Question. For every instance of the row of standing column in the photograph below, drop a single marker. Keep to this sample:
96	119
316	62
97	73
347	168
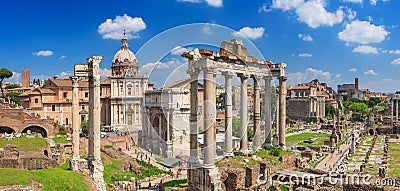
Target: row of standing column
395	103
210	114
317	107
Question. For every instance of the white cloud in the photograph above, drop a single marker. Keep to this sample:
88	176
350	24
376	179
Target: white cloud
396	61
351	14
311	12
171	64
353	70
251	33
314	14
365	49
363	32
353	1
305	55
338	75
114	28
370	72
308	75
393	51
15	78
214	3
373	2
369	18
63	57
105	73
65	74
264	8
286	4
190	1
43	53
178	50
305	37
206	29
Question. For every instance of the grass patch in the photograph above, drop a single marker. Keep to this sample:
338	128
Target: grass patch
52	178
25	144
113	171
394	161
268	154
176	183
317	138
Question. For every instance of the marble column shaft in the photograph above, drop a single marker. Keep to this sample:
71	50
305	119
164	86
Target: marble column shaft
243	115
75	117
282	111
194	159
257	113
96	113
397	110
228	115
209	119
90	120
267	107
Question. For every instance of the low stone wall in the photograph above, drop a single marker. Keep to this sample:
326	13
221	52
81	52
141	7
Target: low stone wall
31	160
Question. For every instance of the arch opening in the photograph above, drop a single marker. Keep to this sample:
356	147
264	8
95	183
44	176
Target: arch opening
5	129
36	129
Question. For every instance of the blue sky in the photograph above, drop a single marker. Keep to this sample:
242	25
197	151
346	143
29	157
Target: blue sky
333	41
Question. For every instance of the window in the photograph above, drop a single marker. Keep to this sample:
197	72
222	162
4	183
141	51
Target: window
66	121
86	94
129	91
53	107
83	107
65	95
36	100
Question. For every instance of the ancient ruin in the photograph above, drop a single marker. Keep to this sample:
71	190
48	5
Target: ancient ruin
93	162
232	59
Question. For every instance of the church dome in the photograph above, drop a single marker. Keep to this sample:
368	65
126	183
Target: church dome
124	52
124	62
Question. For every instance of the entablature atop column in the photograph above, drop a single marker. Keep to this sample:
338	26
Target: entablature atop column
231	64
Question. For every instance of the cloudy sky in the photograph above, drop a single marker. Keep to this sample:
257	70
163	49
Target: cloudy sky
333	41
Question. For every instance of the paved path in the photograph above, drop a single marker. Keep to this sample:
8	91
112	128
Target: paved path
330	161
155	163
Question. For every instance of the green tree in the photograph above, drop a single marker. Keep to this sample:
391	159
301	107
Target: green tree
12	86
359	108
250	133
85	127
330	111
4	73
14	96
220	99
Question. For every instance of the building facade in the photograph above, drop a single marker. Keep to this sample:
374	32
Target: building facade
127	91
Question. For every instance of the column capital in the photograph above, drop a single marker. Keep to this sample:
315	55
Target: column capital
267	78
192	72
282	78
243	75
210	70
228	74
75	81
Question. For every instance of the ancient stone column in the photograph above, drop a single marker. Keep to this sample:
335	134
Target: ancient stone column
228	115
267	107
209	118
282	111
159	135
94	92
90	118
243	115
169	130
392	111
194	158
397	110
256	118
317	107
75	122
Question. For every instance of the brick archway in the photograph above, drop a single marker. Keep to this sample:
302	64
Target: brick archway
6	129
36	129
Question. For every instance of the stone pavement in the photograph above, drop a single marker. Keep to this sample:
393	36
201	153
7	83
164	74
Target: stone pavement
330	161
166	178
